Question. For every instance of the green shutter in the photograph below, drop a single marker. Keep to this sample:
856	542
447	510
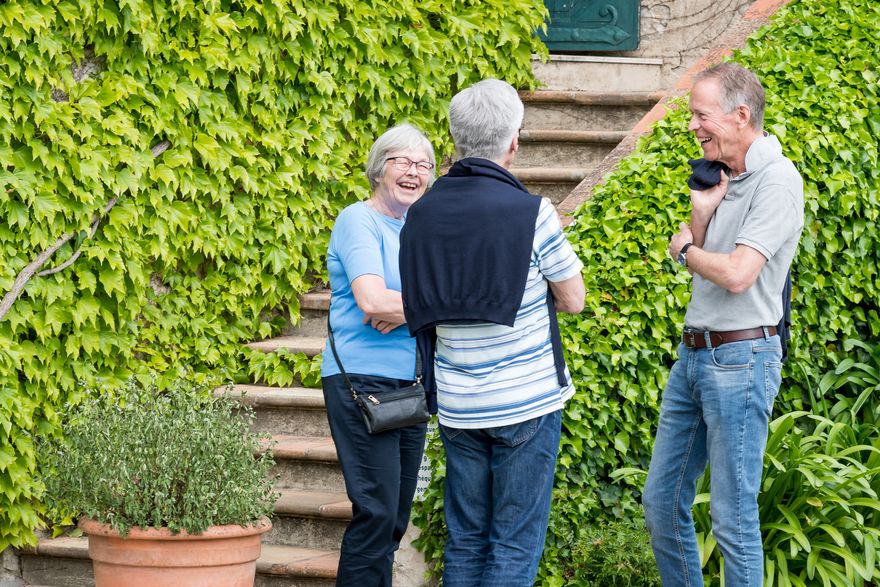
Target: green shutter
592	25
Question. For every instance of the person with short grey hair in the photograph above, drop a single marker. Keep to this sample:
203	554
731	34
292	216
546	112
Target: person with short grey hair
746	220
366	312
737	85
484	269
484	119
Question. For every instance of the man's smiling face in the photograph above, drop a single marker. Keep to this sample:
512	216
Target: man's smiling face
718	131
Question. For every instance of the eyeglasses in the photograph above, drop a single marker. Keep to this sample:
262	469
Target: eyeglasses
405	163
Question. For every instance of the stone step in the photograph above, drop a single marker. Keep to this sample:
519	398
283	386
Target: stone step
312	324
314	306
600	73
309	519
565	148
297	411
315	300
60	562
306	463
289	566
64	562
585	111
310	345
551	182
604	137
598	98
548	174
330	505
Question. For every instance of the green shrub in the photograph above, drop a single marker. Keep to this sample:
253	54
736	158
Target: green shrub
820	501
269	107
819	504
820	494
609	554
178	457
856	386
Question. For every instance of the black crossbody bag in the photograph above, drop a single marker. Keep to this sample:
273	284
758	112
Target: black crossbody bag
391	410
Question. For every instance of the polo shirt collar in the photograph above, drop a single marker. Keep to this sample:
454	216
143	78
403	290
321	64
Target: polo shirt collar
764	150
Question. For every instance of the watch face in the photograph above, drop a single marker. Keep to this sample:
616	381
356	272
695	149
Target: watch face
682	255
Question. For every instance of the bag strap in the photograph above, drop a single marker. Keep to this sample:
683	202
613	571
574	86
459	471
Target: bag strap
354	394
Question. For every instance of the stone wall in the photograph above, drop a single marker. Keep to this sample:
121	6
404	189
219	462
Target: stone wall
680	31
10	570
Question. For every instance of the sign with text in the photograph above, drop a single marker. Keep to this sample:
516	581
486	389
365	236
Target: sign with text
426	467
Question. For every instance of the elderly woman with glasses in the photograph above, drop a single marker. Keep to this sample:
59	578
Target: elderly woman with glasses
366	313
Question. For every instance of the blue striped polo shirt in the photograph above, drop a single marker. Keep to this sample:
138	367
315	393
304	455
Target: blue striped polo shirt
493	375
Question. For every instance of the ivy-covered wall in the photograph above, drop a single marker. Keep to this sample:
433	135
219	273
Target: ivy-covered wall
818	61
223	136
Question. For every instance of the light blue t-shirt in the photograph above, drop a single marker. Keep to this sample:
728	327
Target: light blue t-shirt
365	242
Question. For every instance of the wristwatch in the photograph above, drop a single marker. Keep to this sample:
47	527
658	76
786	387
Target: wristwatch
682	255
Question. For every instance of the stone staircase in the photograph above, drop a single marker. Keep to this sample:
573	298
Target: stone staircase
587	105
567	131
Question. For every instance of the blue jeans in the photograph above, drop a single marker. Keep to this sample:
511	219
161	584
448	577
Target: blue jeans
380	472
499	483
715	409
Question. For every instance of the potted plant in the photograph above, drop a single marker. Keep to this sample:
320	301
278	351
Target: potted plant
171	482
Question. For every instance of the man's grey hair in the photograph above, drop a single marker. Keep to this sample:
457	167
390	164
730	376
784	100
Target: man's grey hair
738	86
484	119
398	138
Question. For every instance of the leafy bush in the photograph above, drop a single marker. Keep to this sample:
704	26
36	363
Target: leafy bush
820	501
282	366
269	107
609	554
856	386
179	458
819	504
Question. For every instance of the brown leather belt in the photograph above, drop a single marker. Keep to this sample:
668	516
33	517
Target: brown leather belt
696	339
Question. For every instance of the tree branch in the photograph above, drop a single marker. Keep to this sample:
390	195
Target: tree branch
95	222
160	148
33	267
28	272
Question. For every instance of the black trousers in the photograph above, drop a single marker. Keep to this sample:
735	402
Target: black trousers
380	471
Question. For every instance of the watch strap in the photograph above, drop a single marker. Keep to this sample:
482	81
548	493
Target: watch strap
682	258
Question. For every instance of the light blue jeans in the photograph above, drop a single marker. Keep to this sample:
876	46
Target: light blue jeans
715	409
499	483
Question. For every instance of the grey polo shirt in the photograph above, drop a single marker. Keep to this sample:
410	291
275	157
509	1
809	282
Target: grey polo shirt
763	209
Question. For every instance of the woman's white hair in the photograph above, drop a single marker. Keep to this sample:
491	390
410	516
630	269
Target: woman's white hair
398	138
484	119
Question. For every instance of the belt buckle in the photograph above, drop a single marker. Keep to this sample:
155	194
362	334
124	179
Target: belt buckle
689	338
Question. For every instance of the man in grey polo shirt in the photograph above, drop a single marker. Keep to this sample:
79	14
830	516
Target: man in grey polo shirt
715	409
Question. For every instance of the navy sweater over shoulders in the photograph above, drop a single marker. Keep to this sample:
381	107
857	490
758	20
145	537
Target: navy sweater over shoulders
466	247
465	252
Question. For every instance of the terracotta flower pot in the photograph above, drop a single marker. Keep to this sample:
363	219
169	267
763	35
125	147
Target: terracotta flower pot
222	556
